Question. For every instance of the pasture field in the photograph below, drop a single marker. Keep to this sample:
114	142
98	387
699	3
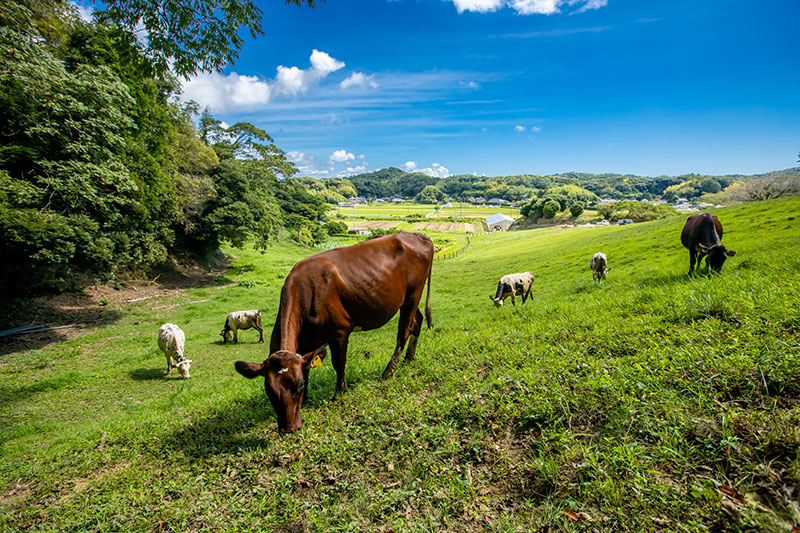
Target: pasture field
650	402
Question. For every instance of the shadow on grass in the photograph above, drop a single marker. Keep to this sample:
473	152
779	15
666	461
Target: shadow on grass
244	425
63	310
147	374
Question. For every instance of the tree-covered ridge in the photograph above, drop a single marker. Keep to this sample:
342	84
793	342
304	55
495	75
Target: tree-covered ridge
103	171
394	181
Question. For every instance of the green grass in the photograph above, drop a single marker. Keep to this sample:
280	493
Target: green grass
633	401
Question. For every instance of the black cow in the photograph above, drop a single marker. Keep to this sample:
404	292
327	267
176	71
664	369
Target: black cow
701	236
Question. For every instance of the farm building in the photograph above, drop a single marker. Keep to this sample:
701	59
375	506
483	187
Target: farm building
499	222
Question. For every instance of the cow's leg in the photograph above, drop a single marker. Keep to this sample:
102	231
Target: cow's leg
512	299
236	336
339	360
260	333
413	337
169	365
406	315
692	259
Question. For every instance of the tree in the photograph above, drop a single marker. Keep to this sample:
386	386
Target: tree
576	209
430	195
335	226
550	209
193	35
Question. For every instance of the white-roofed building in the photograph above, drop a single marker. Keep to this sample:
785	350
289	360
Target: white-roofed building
499	222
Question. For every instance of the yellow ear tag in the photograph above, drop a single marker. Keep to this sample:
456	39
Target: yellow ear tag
316	362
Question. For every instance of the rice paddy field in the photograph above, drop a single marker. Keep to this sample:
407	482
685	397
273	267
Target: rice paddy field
653	401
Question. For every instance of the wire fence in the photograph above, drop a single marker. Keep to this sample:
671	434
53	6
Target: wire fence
452	255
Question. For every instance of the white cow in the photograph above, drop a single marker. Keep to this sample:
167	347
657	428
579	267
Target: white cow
512	285
599	266
171	340
242	320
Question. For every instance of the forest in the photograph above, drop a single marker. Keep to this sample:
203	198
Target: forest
103	170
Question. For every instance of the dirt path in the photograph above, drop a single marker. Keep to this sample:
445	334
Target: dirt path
96	305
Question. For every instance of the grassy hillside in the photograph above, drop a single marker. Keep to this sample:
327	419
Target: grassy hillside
636	404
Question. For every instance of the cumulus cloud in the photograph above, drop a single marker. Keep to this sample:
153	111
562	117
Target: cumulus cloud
224	93
481	6
436	170
536	128
340	156
292	81
359	80
410	166
528	7
357	169
519	128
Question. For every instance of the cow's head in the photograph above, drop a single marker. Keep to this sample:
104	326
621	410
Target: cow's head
284	383
183	367
225	333
498	302
717	255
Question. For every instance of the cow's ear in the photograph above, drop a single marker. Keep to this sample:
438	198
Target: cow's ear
249	370
730	253
312	359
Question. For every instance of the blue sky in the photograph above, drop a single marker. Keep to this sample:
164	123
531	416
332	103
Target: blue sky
500	87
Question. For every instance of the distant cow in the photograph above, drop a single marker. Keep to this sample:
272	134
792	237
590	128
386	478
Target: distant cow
701	236
331	294
512	285
242	320
171	340
599	266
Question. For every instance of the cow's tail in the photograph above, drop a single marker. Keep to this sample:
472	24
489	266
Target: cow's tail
428	315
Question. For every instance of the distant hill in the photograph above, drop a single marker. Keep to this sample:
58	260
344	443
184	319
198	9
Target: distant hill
393	181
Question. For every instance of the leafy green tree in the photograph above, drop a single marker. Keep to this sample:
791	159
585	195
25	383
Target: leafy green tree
576	209
193	35
550	209
430	195
334	226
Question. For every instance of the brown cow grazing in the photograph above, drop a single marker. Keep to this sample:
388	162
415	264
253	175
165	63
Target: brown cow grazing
331	294
701	236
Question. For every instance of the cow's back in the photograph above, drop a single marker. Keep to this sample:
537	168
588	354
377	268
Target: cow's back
170	337
702	228
362	285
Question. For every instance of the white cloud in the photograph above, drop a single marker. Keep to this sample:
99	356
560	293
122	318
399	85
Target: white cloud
481	6
469	84
536	128
224	93
292	81
410	166
436	170
527	7
340	156
323	63
536	7
362	156
519	128
359	79
357	169
589	4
